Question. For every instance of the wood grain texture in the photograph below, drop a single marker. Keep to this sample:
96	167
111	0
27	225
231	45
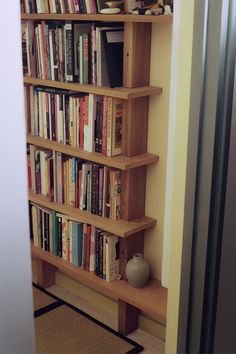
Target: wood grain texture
45	273
129	246
133	183
119	92
121	162
127	318
121	228
99	17
135	126
152	299
137	53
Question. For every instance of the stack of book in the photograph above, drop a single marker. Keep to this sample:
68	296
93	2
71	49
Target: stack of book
62	6
87	53
81	244
72	181
91	122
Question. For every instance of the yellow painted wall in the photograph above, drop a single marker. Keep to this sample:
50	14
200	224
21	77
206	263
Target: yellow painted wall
157	143
184	60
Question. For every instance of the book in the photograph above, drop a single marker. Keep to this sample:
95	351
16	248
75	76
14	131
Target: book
112	257
113	41
116	129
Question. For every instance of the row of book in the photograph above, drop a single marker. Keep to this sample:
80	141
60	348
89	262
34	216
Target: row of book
81	244
62	6
88	121
67	51
74	182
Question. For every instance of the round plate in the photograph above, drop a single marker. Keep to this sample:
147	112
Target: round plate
110	11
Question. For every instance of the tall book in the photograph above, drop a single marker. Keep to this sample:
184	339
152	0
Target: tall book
112	257
113	41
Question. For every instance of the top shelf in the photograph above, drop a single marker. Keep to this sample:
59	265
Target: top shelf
99	17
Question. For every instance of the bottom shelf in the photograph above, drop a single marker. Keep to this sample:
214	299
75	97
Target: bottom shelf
152	299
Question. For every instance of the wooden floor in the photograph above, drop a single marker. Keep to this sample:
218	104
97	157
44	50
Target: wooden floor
152	344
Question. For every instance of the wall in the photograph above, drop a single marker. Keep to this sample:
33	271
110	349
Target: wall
157	144
16	315
183	55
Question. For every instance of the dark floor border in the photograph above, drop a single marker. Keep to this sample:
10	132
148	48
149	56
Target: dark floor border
138	348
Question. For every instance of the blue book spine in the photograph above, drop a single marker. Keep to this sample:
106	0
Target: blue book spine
75	244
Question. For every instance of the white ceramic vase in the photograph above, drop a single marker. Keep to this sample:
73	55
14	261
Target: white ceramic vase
137	271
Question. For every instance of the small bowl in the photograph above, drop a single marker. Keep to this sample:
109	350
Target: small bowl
115	3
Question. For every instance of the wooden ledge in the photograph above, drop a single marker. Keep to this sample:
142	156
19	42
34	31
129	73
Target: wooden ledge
117	92
99	17
152	299
121	162
118	227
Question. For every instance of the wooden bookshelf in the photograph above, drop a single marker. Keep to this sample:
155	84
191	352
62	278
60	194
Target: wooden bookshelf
133	163
99	17
121	228
121	162
152	299
118	92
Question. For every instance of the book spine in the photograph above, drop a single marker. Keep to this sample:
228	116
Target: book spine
92	260
100	190
109	126
69	51
117	121
88	236
104	125
75	244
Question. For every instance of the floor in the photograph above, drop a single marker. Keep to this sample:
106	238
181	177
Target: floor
152	345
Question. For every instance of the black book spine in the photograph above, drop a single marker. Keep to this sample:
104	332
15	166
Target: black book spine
67	122
53	117
96	127
100	126
46	232
94	187
69	52
41	227
101	255
59	230
97	252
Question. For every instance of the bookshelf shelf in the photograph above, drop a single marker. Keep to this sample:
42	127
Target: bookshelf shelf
119	92
121	162
121	228
99	17
152	299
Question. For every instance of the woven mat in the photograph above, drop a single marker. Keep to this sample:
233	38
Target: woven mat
41	299
67	330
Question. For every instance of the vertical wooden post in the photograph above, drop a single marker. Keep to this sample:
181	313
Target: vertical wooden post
45	273
137	53
137	46
127	311
133	184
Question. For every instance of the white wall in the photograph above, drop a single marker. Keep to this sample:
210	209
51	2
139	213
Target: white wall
16	317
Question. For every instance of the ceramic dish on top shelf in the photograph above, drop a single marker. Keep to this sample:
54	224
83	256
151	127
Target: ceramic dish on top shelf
115	3
110	11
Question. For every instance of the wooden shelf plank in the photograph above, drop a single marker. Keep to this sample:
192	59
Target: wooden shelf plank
152	299
119	227
118	92
121	162
99	17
